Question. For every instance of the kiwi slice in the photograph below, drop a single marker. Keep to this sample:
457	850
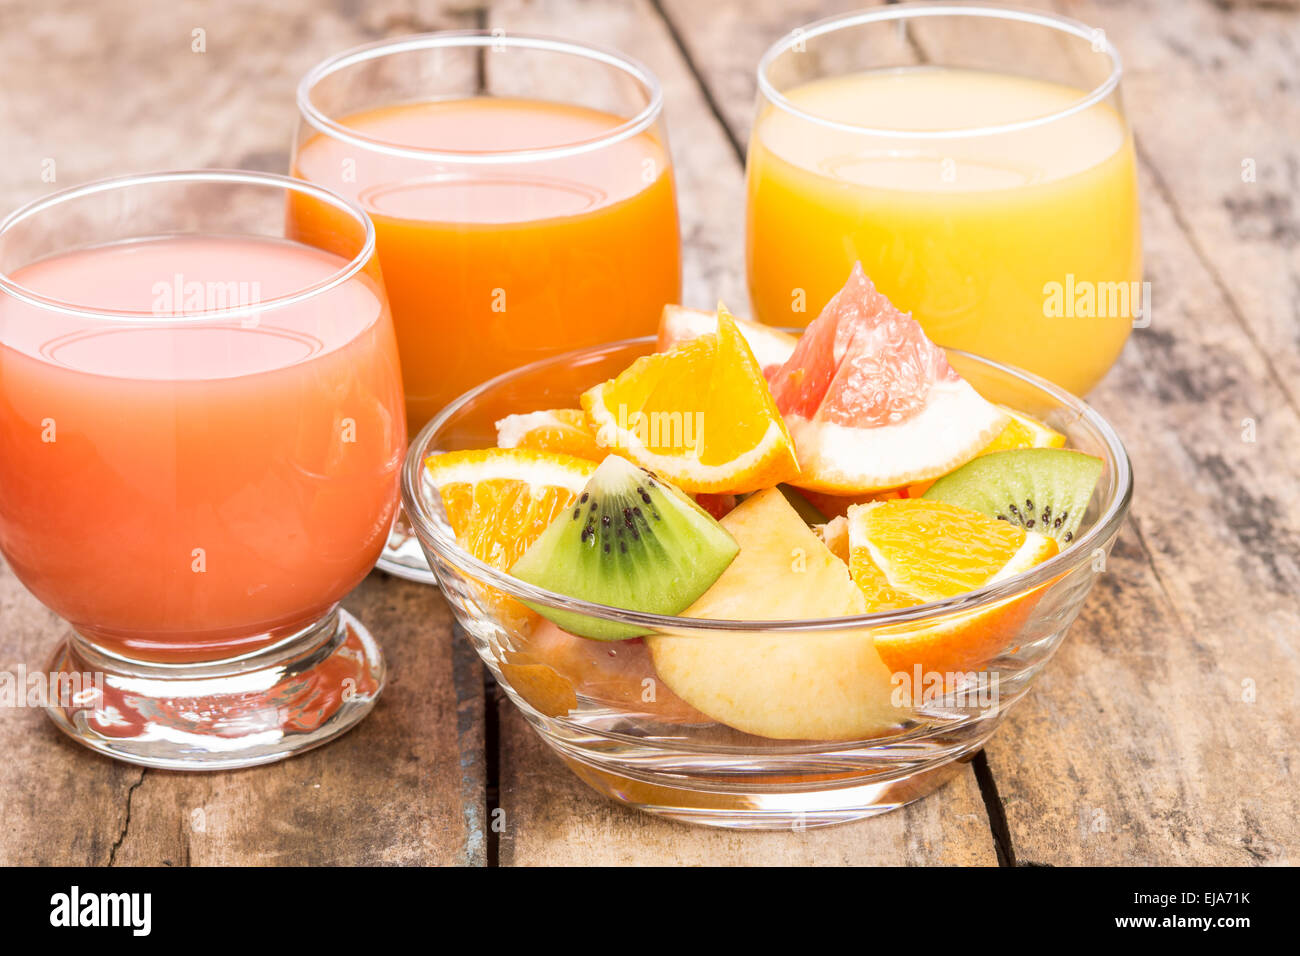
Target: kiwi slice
1040	489
630	541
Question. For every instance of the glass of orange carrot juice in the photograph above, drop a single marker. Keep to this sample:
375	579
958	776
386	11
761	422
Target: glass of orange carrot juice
976	161
201	427
522	194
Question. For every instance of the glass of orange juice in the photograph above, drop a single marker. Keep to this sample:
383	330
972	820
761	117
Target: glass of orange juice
976	160
522	194
201	426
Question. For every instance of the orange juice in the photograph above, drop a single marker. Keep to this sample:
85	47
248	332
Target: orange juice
988	238
189	490
492	262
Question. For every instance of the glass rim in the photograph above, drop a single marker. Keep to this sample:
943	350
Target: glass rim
1067	559
907	11
198	176
327	126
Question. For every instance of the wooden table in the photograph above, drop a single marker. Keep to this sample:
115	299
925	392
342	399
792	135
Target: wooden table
1164	732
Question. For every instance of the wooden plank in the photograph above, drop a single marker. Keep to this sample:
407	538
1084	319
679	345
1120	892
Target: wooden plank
1163	732
406	786
403	787
1215	96
1138	745
549	816
113	94
726	40
1192	638
1180	747
553	819
59	803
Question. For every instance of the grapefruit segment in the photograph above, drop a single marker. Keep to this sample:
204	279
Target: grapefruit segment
871	403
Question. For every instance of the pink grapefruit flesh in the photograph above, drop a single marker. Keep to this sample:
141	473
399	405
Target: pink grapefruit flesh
871	403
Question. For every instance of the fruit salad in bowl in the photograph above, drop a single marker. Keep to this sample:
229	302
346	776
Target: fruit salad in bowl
748	579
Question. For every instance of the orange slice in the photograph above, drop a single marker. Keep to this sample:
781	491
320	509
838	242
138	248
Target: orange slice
498	500
907	552
563	430
699	416
872	403
1024	432
931	550
771	347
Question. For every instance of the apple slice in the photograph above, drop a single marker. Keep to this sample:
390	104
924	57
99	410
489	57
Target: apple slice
790	685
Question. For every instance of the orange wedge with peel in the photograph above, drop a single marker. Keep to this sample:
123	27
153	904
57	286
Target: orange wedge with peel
499	500
563	430
700	416
907	552
771	347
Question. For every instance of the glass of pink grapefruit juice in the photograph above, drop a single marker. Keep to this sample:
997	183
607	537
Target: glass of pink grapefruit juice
201	427
522	192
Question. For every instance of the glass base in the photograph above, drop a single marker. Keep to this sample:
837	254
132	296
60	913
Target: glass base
799	806
403	557
300	693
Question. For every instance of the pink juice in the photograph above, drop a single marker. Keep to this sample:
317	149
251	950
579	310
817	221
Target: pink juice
186	488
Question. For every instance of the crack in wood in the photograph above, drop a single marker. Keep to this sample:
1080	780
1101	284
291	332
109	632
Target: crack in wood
491	768
737	147
475	758
126	824
993	806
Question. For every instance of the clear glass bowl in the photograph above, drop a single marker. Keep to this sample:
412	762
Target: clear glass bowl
588	699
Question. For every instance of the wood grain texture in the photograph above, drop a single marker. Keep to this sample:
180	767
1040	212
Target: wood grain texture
121	93
1215	96
405	786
